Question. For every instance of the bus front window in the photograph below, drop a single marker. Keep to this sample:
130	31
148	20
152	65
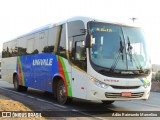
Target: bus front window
118	47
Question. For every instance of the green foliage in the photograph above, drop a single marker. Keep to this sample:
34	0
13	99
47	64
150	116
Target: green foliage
48	49
21	51
35	51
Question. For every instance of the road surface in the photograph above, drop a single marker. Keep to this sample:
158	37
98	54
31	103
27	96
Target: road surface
44	102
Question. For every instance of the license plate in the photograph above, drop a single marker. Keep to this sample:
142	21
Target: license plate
126	94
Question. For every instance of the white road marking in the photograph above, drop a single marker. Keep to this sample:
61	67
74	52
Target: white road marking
34	97
57	105
61	106
75	110
30	96
12	91
41	100
100	118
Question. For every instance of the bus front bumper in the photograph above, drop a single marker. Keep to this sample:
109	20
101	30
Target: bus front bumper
97	93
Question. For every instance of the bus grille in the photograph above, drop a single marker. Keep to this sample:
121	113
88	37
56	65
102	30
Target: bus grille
125	87
118	95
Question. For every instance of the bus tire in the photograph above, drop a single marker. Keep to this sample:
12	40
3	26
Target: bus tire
62	98
107	102
24	88
18	87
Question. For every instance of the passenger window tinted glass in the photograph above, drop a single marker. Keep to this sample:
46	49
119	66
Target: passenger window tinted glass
25	45
40	41
21	46
51	40
9	49
30	43
62	42
75	28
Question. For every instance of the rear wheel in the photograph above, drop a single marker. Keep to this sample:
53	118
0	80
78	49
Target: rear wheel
61	93
24	88
18	87
107	102
16	83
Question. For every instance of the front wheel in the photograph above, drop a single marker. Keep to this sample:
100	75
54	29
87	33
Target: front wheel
61	93
107	102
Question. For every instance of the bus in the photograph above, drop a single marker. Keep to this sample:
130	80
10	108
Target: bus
82	58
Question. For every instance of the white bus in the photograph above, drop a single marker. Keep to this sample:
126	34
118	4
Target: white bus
81	58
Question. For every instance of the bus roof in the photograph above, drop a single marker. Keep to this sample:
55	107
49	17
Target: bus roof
84	19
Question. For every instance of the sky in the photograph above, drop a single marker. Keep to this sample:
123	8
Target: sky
18	17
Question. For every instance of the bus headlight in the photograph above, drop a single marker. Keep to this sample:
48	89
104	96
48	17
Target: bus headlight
147	85
99	83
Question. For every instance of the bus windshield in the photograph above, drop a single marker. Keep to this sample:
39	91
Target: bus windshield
118	47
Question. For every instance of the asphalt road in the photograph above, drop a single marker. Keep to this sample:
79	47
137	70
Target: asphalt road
80	109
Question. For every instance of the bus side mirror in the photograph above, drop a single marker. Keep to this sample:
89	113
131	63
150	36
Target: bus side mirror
87	41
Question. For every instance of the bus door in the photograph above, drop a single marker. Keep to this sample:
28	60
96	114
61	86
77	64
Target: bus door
79	66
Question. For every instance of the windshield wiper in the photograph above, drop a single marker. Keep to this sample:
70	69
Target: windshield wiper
139	66
117	57
129	49
135	59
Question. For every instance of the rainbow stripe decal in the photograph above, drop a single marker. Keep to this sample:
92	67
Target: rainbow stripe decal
145	82
63	72
20	72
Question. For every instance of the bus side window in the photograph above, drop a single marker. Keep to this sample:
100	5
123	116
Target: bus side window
40	41
9	49
61	50
80	53
30	46
51	40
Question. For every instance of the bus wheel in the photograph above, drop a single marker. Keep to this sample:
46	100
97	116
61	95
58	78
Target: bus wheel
18	87
24	88
16	83
107	102
61	93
